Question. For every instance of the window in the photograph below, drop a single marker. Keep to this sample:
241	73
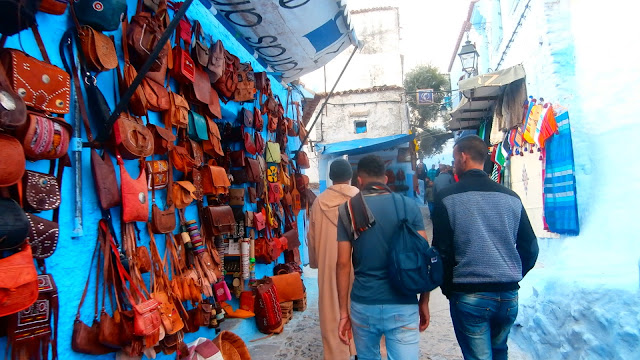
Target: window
361	126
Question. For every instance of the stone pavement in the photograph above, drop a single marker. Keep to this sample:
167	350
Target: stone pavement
301	339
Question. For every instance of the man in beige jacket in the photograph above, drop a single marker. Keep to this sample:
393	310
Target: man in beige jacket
323	254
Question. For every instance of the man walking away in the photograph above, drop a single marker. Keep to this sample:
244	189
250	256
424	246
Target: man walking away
432	173
487	246
366	228
443	179
323	254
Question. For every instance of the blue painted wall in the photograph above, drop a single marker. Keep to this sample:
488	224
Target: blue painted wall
70	263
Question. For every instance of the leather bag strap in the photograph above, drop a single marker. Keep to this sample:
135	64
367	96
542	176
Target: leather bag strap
43	50
86	285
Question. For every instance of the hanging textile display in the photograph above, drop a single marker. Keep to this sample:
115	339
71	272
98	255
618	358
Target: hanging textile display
560	202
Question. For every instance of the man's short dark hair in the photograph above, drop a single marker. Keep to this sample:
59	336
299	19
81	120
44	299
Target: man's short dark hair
371	166
474	147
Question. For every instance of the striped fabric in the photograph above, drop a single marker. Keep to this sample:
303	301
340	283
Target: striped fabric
560	203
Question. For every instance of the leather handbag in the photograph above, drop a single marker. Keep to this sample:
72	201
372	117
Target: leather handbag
18	282
215	180
253	170
41	191
236	197
249	145
215	65
54	7
226	85
198	128
222	292
43	236
13	111
239	176
143	35
138	101
182	194
289	286
258	122
199	92
273	152
45	138
220	219
163	139
157	174
200	50
266	250
41	85
259	141
132	139
135	204
246	88
213	106
246	118
104	176
156	94
178	114
181	159
260	221
14	225
162	221
302	160
105	15
184	69
237	158
253	198
98	49
213	147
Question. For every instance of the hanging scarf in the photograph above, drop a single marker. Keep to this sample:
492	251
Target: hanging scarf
357	214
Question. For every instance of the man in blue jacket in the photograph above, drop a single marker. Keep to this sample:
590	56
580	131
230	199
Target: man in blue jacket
487	246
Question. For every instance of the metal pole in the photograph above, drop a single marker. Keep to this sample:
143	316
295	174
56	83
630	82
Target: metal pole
124	99
325	102
77	158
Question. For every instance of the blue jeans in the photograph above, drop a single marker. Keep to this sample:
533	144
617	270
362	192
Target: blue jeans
398	323
482	322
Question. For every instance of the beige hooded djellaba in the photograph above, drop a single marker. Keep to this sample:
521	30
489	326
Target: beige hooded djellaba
323	255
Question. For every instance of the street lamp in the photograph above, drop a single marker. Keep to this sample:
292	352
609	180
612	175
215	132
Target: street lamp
469	58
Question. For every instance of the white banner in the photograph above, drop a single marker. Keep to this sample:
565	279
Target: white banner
294	37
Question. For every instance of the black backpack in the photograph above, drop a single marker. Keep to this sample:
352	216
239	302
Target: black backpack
414	266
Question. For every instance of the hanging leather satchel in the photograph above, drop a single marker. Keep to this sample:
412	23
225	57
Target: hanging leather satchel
226	85
178	113
258	122
259	221
199	92
237	158
43	236
13	112
246	88
158	174
302	160
105	15
143	35
156	94
14	225
18	282
132	139
182	194
273	152
104	176
239	176
41	191
253	170
220	219
236	197
45	138
198	128
252	194
215	180
249	145
213	147
162	221
184	69
98	49
181	159
275	192
216	63
200	50
259	141
135	205
138	101
163	139
40	85
246	118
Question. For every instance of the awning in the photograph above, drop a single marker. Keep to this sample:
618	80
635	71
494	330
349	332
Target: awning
363	146
292	37
480	94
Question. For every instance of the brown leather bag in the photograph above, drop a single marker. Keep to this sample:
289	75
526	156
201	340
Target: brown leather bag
236	197
104	175
45	138
138	101
260	144
216	63
258	122
184	69
13	111
237	158
40	85
181	159
253	170
178	113
303	160
289	286
226	85
98	49
220	219
157	174
143	35
18	282
41	191
246	88
213	146
132	139
13	163
156	94
43	236
249	145
162	221
215	180
163	139
200	50
182	194
199	92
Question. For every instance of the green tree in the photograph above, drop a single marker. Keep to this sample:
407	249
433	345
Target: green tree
422	117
